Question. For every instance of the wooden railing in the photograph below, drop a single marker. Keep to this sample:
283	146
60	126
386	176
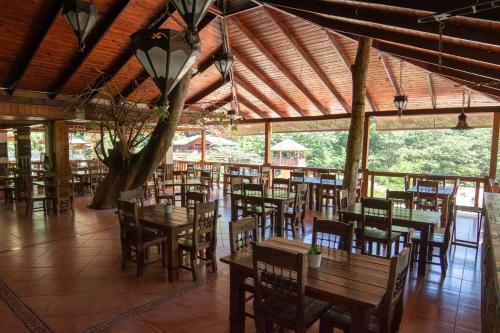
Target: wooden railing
480	183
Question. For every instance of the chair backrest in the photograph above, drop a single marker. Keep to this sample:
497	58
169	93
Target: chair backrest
234	170
280	275
398	273
135	196
253	195
400	199
376	213
193	198
236	184
128	214
327	180
242	233
281	185
342	200
64	189
205	223
299	207
427	188
179	175
297	177
190	172
343	234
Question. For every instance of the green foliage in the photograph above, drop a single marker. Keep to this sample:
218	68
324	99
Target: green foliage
314	250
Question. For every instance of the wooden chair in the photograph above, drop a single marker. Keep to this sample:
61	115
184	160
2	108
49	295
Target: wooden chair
206	182
163	193
333	234
64	194
33	198
253	204
194	198
294	216
265	177
296	178
216	174
202	239
427	195
237	186
190	172
438	240
135	239
376	226
281	185
280	299
181	177
388	316
403	202
134	196
327	190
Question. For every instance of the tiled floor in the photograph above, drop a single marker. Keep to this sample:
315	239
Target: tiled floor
62	274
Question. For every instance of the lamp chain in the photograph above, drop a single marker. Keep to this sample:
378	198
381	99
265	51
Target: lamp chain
442	25
401	64
463	99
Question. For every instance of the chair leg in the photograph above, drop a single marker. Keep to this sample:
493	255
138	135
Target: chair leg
194	265
164	254
213	259
140	262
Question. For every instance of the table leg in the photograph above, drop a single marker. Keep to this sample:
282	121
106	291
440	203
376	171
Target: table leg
317	198
280	218
183	195
234	209
311	196
236	301
444	211
424	246
173	260
360	318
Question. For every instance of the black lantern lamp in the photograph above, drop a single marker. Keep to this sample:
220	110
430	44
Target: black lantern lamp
232	115
165	55
82	17
223	61
192	11
462	117
401	99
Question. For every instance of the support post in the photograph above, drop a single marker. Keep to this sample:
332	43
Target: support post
267	153
23	149
364	163
4	151
494	145
58	147
203	145
355	138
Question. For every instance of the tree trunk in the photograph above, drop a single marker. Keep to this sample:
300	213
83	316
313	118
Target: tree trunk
133	173
355	138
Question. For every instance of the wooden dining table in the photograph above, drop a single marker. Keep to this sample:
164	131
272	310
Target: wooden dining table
184	185
356	283
280	199
444	193
172	222
422	220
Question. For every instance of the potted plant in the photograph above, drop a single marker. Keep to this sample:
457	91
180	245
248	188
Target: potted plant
314	256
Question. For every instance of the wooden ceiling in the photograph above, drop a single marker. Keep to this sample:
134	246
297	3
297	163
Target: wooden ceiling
293	56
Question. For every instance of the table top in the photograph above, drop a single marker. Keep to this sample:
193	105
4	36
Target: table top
189	182
316	181
157	216
270	195
441	191
360	279
404	215
244	174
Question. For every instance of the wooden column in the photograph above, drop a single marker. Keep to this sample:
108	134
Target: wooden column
494	145
364	164
203	145
23	149
355	138
58	139
4	151
267	147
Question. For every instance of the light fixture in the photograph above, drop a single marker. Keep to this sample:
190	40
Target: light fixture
224	60
82	17
232	115
192	11
166	56
462	117
401	99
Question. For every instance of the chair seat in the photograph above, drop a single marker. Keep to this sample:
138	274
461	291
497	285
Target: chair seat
187	242
375	233
147	236
435	238
258	210
313	310
340	319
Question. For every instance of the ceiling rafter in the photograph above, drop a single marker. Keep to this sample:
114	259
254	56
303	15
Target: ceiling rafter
347	63
31	47
97	34
265	51
252	107
263	77
432	91
400	18
404	37
307	58
207	91
243	83
390	74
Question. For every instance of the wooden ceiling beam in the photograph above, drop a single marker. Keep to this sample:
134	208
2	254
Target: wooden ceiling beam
31	45
403	19
407	113
252	107
96	35
404	37
347	63
432	91
207	91
143	76
243	83
241	60
390	74
307	58
265	51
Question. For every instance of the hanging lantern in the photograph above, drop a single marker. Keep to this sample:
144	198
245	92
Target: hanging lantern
232	115
400	103
462	118
192	11
165	55
223	61
82	17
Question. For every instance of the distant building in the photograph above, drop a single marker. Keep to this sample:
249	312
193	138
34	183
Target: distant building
193	143
289	153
